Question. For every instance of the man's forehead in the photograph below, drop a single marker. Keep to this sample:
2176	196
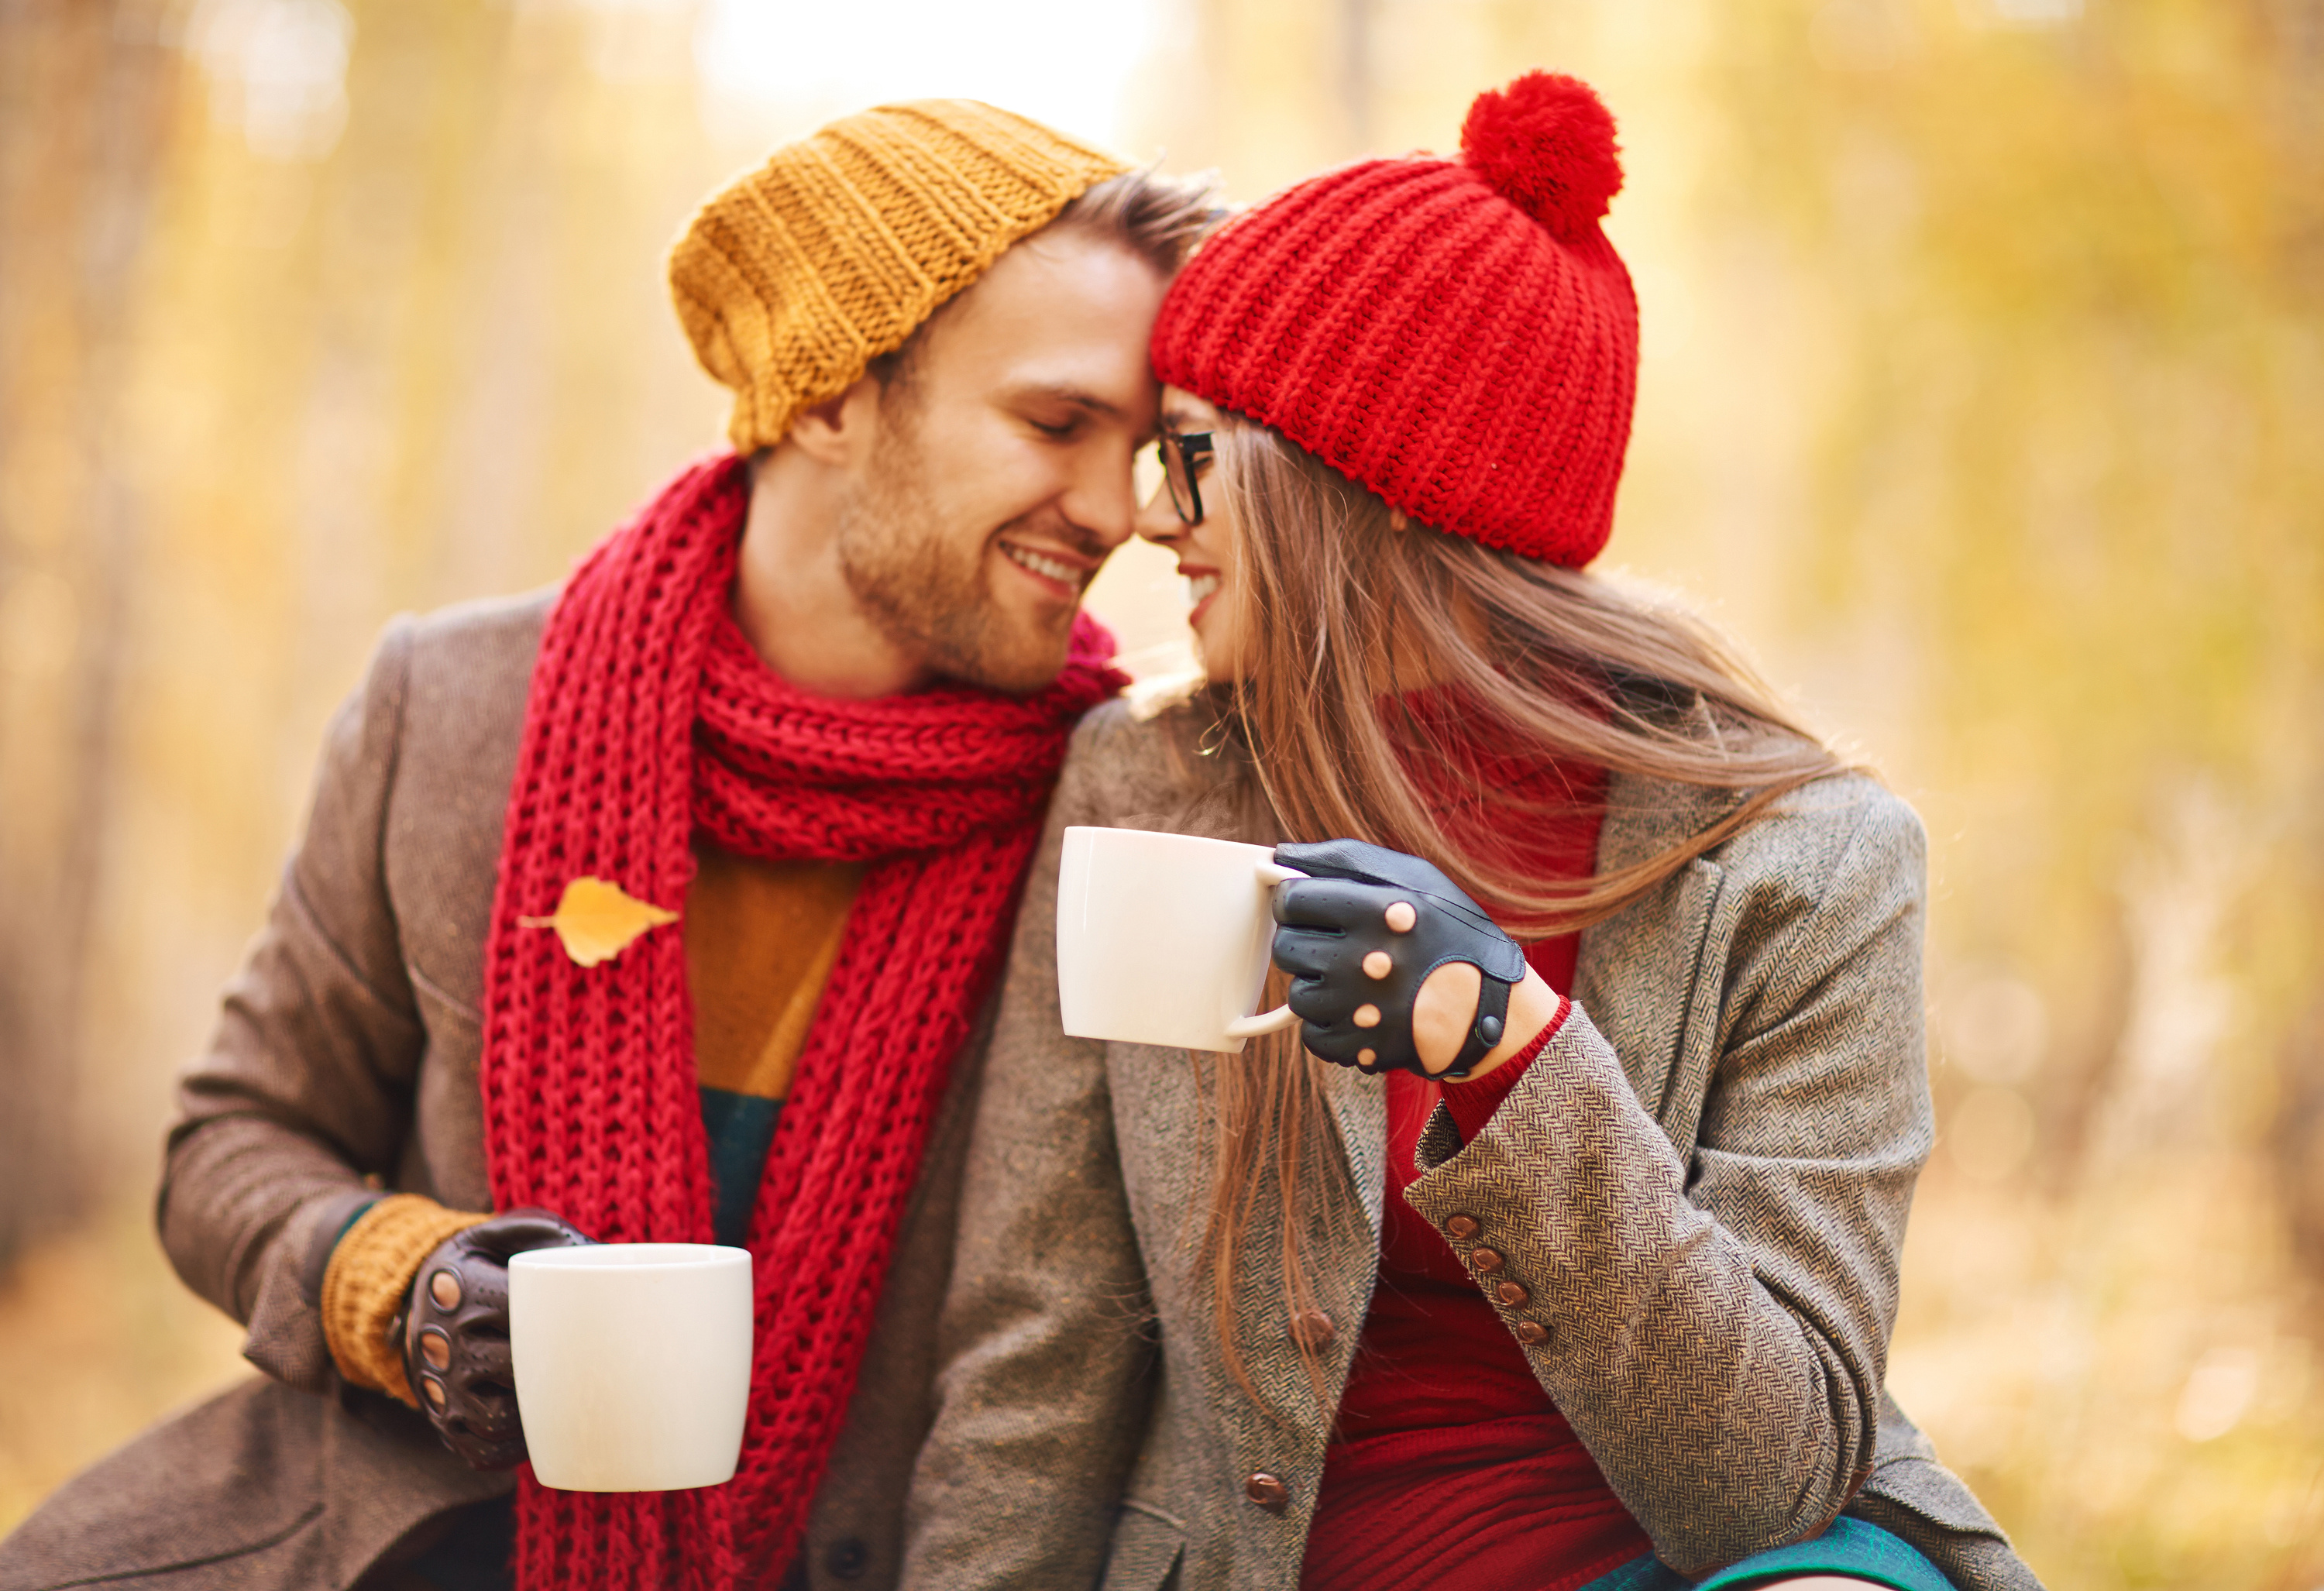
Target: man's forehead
1051	311
1068	393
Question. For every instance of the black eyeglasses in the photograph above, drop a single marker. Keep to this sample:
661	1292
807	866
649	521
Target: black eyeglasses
1183	453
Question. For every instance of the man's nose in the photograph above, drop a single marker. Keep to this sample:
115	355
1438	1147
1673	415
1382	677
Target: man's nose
1103	500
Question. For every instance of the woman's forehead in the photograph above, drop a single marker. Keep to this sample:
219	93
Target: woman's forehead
1183	412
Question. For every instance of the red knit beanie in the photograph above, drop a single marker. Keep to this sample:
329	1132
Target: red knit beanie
1458	336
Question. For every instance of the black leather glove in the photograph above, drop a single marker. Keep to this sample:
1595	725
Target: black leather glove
1333	922
456	1335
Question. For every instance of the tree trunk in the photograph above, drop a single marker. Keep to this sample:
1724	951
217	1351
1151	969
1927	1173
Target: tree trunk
85	94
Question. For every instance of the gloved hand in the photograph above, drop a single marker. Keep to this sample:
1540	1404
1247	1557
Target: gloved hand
1359	936
456	1335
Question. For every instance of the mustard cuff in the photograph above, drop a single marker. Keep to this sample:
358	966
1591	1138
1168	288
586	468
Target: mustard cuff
370	1276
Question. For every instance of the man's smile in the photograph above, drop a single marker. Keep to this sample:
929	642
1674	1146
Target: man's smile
1070	571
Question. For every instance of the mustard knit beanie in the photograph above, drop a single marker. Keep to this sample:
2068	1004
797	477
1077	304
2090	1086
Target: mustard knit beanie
795	278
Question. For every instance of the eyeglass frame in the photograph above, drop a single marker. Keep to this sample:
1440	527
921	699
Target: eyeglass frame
1193	447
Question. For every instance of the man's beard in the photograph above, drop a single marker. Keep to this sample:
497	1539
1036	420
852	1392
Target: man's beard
926	588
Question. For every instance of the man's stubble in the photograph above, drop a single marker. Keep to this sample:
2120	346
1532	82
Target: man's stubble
925	586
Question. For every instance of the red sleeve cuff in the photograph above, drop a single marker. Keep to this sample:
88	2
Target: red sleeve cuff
1473	1104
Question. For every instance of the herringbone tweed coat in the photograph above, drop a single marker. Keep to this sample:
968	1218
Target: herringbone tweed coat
1703	1181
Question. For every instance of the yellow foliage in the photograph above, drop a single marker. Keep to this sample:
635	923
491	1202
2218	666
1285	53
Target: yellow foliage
1983	362
597	921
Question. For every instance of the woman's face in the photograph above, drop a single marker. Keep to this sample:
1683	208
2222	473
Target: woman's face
1206	551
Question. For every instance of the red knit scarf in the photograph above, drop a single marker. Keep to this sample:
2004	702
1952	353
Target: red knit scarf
650	719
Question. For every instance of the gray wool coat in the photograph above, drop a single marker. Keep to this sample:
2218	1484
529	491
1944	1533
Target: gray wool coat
347	1050
1704	1182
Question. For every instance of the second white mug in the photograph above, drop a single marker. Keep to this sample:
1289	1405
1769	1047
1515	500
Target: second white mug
632	1363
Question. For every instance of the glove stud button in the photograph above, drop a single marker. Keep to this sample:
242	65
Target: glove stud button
1489	1028
436	1347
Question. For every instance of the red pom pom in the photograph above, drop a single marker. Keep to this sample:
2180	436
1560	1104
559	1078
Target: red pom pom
1547	145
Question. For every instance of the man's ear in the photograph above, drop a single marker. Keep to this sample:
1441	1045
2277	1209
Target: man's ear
838	429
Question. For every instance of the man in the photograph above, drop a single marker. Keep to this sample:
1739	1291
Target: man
665	908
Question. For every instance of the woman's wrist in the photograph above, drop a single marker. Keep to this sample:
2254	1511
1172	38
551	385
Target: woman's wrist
1534	1008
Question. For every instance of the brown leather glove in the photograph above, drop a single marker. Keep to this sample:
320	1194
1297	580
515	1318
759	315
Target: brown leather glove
456	1335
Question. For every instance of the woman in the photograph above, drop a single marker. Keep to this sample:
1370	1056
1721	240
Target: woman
1581	1260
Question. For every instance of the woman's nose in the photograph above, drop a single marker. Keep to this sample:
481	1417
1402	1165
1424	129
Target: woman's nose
1157	520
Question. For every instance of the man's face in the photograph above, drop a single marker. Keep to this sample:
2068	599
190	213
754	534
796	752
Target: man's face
999	477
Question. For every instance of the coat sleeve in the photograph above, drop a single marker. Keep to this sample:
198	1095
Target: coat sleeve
306	1086
1716	1328
1044	1382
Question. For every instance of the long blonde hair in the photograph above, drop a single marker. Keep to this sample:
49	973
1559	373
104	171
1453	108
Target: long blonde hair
1348	611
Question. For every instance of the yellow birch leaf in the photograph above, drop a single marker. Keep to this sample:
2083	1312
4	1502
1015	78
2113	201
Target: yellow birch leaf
597	921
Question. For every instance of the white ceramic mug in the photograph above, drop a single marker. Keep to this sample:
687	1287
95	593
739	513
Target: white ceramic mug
632	1363
1163	939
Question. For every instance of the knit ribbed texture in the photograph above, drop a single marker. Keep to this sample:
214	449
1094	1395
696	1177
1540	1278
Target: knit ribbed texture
650	718
370	1276
1467	351
793	280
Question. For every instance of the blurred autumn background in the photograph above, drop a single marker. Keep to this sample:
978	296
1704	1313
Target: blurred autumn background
1983	397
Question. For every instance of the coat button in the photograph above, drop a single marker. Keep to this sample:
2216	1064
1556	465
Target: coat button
848	1558
1462	1226
1266	1491
1513	1295
1488	1260
1532	1333
1313	1329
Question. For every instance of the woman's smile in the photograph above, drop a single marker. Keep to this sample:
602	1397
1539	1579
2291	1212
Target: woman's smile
1202	586
1204	549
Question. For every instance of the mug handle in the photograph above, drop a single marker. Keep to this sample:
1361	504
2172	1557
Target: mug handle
1269	874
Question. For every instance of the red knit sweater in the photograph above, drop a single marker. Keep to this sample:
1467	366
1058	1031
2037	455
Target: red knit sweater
1451	1467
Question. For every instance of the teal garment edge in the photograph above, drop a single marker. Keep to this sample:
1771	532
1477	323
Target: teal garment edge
740	1128
1851	1546
348	1225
